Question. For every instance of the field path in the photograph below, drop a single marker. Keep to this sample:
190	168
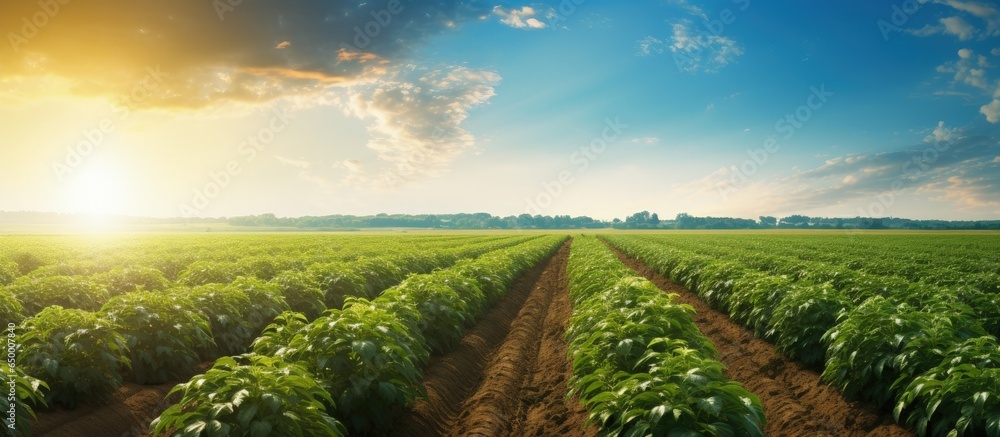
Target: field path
509	375
796	402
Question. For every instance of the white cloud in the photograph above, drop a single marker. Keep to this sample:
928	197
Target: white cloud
991	111
298	163
995	52
650	46
942	134
701	52
958	27
417	116
645	140
746	130
689	8
710	107
523	18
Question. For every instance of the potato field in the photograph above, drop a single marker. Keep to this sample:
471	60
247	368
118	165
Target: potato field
493	334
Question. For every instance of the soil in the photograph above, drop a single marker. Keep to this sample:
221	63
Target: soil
796	402
509	375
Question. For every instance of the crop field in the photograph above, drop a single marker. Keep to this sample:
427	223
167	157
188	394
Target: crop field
496	333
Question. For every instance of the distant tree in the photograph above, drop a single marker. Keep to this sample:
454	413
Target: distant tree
767	220
654	220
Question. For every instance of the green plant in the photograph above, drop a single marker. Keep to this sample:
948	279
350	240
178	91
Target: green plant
77	292
266	302
958	396
10	309
369	361
164	334
77	352
278	335
226	309
802	318
301	292
250	395
28	392
121	280
338	281
208	272
9	270
27	261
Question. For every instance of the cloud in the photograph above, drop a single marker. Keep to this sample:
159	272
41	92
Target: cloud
991	111
650	45
958	27
995	52
710	107
298	163
256	52
519	18
700	51
645	140
304	171
416	115
689	8
949	166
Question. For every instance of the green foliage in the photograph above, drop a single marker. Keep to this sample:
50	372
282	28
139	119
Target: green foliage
754	298
208	272
28	392
121	280
443	313
640	365
302	293
77	352
10	309
880	342
9	270
266	300
250	395
959	396
338	281
369	362
27	262
804	315
164	334
278	335
77	292
226	309
266	267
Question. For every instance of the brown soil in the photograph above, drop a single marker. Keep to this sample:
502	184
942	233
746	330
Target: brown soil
509	375
126	413
795	401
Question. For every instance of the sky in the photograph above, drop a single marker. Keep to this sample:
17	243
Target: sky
733	108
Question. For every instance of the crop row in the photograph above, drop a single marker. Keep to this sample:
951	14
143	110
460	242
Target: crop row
352	367
152	337
640	365
923	350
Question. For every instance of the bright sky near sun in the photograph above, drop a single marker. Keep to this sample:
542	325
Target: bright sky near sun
582	107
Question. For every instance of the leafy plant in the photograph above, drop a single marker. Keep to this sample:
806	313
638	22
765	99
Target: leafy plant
369	362
278	335
77	292
164	334
27	262
208	272
302	293
77	352
266	302
958	396
802	318
226	310
123	280
10	309
250	395
9	270
338	281
28	392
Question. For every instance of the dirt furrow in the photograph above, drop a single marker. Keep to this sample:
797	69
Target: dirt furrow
508	376
795	401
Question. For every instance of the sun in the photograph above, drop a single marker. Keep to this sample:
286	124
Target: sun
97	189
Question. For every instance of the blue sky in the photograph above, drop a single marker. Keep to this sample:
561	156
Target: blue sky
737	108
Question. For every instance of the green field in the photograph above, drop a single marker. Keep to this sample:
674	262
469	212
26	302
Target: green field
331	333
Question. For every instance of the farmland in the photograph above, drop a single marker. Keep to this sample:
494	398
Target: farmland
623	333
